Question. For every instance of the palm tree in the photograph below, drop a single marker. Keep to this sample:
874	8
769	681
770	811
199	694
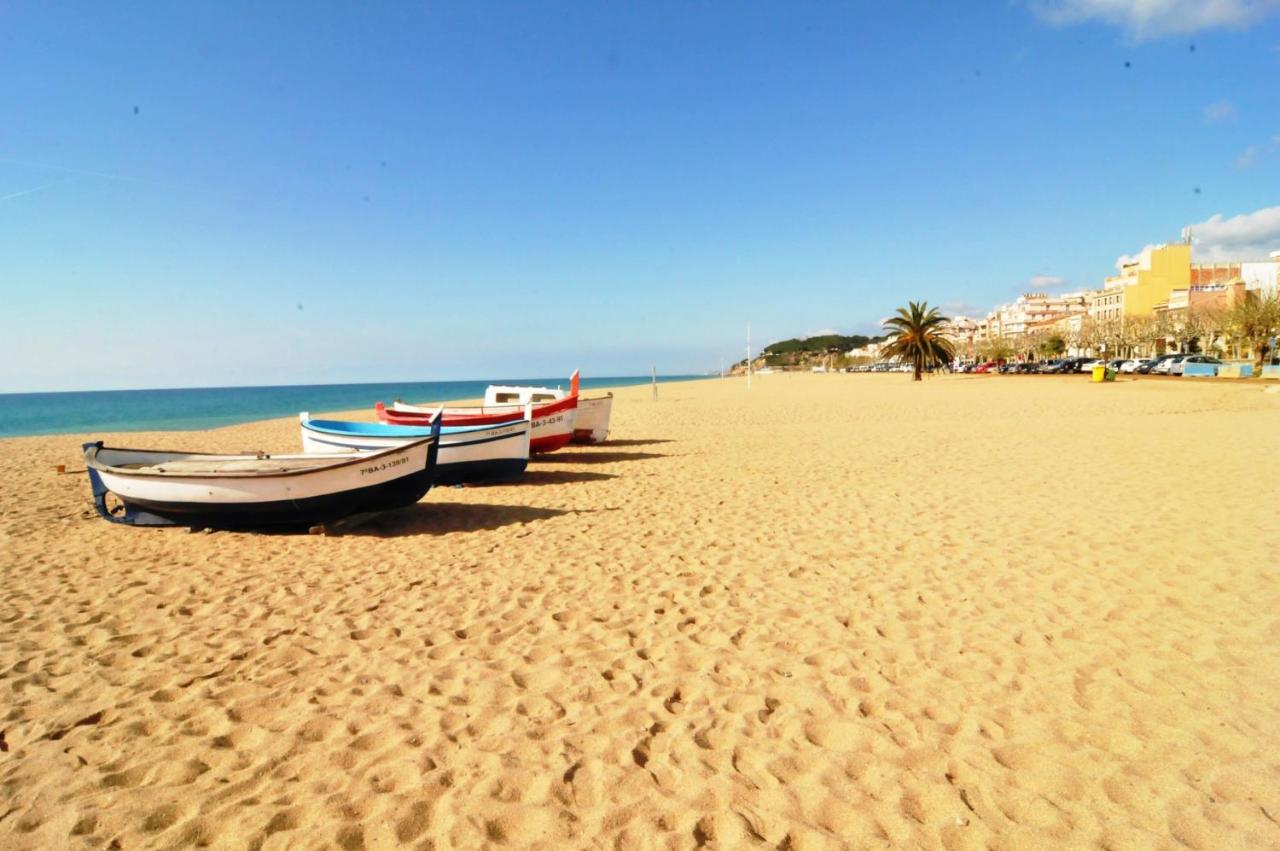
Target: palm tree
916	334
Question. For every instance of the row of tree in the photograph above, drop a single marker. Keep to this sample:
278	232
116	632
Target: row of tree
1245	328
918	335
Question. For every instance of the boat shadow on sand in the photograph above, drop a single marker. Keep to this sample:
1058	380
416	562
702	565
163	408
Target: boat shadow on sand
428	518
555	477
571	457
609	444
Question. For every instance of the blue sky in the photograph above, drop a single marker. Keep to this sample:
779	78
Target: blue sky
233	193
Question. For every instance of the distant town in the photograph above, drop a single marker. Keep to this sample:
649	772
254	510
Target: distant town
1159	302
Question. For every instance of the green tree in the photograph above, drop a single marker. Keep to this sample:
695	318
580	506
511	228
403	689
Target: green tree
997	349
1142	332
1196	327
1089	336
1256	319
1029	344
1053	346
916	334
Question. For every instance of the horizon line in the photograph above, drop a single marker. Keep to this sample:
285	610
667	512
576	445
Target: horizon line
318	384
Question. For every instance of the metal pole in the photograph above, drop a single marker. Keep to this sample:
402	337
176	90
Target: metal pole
654	372
748	355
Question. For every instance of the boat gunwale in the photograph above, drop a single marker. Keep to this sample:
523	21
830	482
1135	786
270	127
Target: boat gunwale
458	445
91	460
539	410
311	425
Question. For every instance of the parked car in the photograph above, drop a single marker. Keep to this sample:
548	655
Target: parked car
1088	365
1150	366
989	366
1134	364
1180	365
1067	365
1165	366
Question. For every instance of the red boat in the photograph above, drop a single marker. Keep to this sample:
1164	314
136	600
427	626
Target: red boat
401	414
552	421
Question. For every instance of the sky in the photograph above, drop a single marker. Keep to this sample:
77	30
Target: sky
234	193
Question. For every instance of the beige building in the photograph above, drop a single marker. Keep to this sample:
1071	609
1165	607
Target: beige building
1143	283
1030	312
1161	281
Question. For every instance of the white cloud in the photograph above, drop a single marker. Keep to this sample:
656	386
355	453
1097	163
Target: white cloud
1248	236
1045	283
1251	155
1125	259
1216	113
1143	19
962	308
822	333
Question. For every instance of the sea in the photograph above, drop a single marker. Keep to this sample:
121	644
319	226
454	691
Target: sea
191	408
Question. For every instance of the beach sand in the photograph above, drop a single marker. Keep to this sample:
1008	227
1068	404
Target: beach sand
836	611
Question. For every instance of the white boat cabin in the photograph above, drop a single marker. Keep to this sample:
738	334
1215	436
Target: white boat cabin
498	394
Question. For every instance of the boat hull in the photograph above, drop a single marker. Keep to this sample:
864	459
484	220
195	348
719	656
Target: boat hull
554	429
592	423
367	483
552	423
290	513
466	456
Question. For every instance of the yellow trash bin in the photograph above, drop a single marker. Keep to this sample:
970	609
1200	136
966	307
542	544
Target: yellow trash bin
1102	372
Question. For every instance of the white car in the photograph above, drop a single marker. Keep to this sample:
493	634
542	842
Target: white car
1165	367
1132	364
1087	366
1180	364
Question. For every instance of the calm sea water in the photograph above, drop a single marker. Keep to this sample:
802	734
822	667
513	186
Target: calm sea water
209	407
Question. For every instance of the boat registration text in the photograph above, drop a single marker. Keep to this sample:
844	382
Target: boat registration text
385	465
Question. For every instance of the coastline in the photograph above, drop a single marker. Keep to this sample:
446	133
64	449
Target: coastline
202	408
834	611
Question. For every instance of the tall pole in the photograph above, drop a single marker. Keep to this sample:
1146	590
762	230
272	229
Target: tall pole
653	370
748	355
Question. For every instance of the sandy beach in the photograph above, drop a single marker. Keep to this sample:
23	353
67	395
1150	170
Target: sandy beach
836	611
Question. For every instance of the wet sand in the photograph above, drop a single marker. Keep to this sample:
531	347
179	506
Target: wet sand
839	611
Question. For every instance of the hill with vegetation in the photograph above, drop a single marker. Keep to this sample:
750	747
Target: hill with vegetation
805	352
822	344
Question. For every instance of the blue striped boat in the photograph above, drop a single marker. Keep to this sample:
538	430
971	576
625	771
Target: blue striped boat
467	454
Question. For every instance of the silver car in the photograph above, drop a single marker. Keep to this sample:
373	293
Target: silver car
1181	364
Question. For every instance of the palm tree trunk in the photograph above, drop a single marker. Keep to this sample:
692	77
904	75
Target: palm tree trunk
918	365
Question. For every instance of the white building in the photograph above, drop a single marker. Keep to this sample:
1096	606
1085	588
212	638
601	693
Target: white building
1029	312
1262	276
